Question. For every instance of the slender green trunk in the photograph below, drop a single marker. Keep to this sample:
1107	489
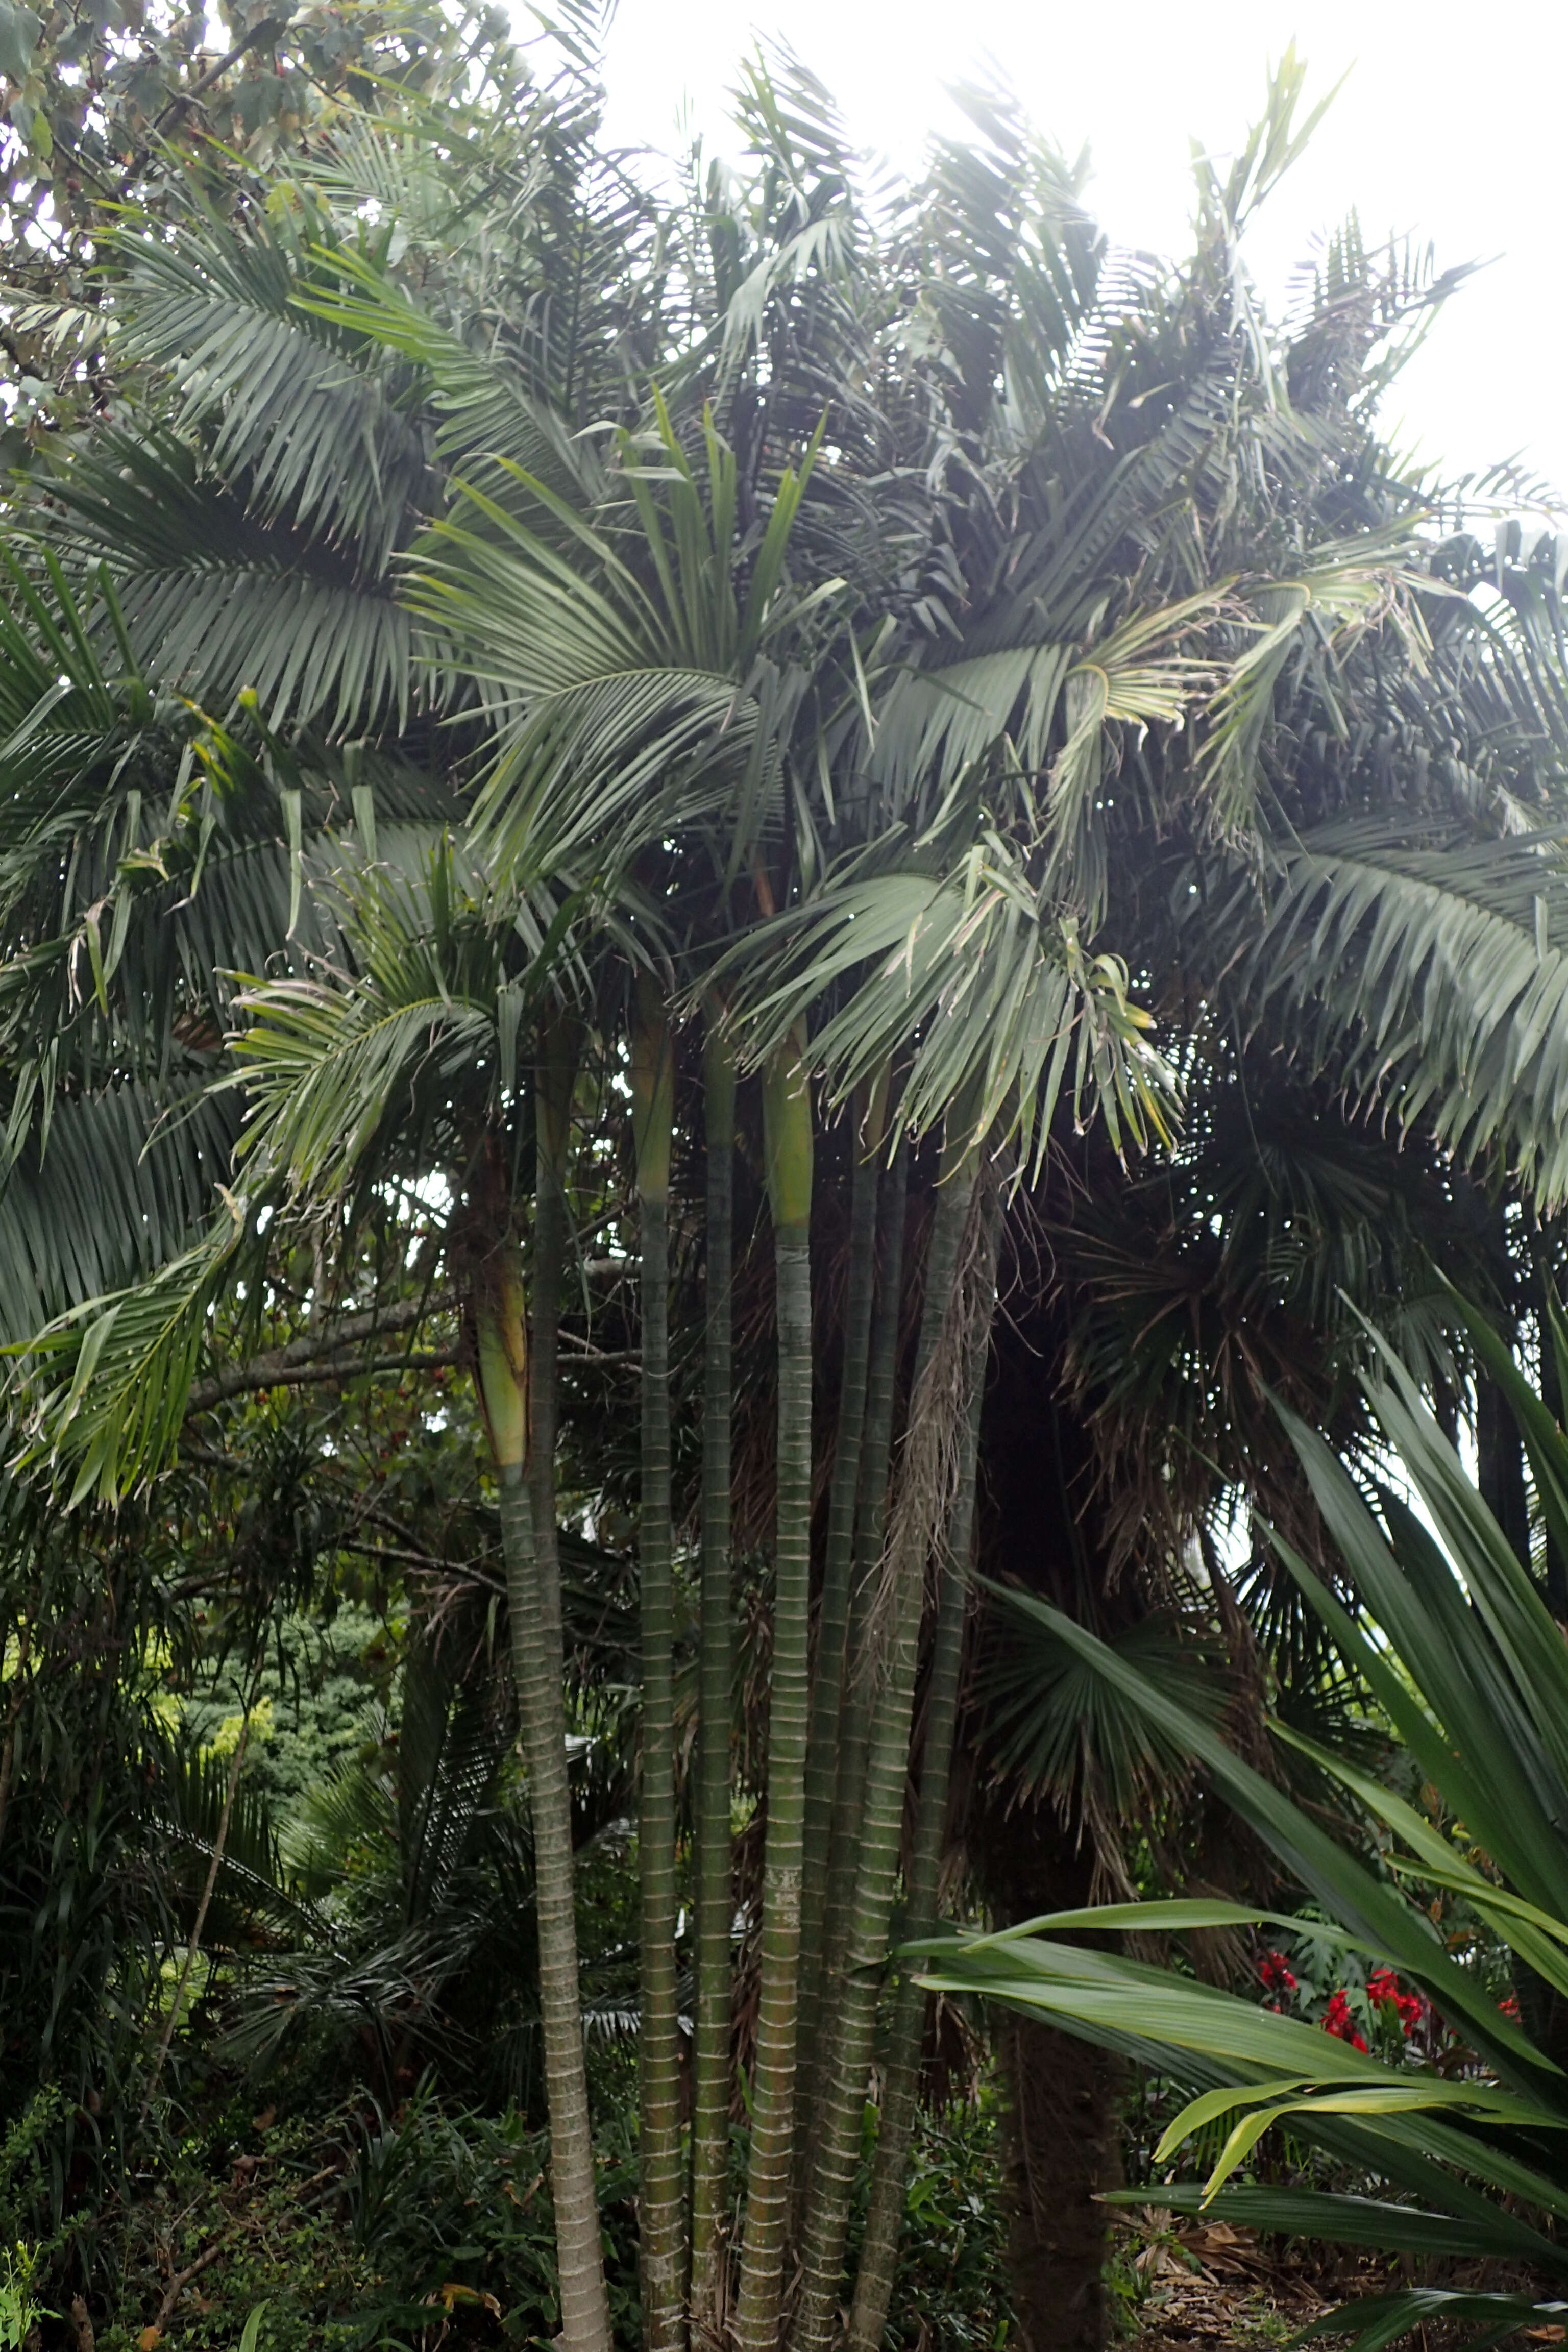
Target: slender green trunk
660	2208
939	1412
533	1594
787	1117
714	1878
901	2076
833	1616
875	1454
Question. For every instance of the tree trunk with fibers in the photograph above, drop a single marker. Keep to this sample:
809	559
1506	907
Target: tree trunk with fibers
955	1325
533	1596
1061	2129
900	2076
1059	2105
833	1610
661	2201
786	1110
714	1904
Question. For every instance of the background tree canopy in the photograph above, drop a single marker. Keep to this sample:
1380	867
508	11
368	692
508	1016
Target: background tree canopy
722	892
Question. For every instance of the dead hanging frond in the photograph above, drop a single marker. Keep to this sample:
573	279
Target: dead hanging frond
916	1545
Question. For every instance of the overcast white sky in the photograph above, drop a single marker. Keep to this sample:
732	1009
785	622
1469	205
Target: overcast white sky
1451	126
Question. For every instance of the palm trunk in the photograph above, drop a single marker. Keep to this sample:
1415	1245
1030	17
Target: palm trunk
660	2209
900	2078
833	1615
940	1400
787	1116
1060	2121
714	1891
877	1447
533	1594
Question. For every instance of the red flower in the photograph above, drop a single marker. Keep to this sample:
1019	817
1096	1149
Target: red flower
1383	1987
1509	2006
1274	1973
1338	2021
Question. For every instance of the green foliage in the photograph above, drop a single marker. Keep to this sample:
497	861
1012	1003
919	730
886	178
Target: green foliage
315	1694
950	2286
18	2309
356	2230
1450	1638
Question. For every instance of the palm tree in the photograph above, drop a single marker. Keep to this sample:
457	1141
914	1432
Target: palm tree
941	713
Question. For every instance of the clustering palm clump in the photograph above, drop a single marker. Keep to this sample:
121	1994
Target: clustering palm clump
790	741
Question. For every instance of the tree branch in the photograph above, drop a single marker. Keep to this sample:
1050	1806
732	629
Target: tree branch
246	1378
259	37
280	1367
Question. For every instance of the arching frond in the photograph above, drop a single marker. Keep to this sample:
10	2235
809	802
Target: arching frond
118	1186
409	1050
217	599
986	990
1434	969
102	1391
305	423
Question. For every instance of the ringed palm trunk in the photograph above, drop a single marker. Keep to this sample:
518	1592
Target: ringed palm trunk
533	1594
875	1454
714	1904
786	1109
833	1610
939	1396
901	2076
661	2219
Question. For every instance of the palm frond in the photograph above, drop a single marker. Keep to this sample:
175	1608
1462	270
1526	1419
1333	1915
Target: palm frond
217	599
120	1186
102	1391
1433	968
308	425
988	990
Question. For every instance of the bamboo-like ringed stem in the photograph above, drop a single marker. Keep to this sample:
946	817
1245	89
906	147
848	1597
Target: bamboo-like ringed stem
787	1104
714	1898
876	1456
833	1611
534	1605
939	1414
900	2073
661	2200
